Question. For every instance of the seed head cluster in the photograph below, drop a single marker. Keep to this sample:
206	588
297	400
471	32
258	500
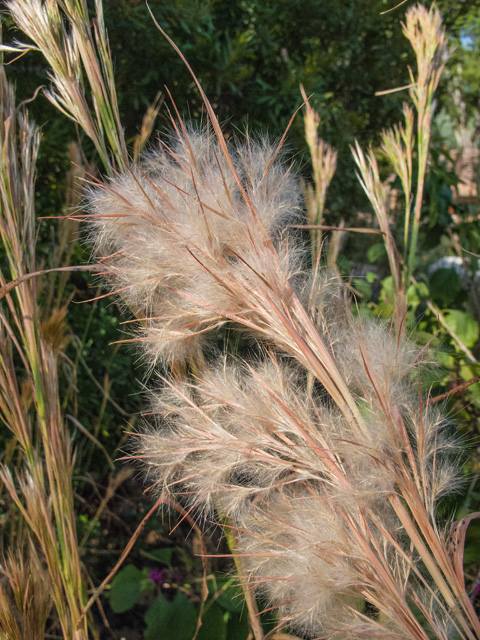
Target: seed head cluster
304	431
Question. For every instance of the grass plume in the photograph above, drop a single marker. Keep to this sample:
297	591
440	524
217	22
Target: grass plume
332	492
423	28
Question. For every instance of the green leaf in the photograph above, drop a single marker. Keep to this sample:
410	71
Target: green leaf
375	252
170	620
417	292
163	556
363	288
229	594
125	589
237	627
386	302
464	325
343	264
214	624
467	372
445	287
446	359
386	293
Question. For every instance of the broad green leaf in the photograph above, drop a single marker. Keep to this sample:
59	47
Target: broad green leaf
237	627
417	292
229	594
386	293
444	287
125	589
170	620
375	252
214	623
384	309
444	358
467	372
362	286
343	264
464	325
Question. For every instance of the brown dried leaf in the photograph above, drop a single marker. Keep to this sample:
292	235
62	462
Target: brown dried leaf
456	545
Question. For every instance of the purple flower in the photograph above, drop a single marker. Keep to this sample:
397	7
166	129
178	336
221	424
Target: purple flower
476	591
157	576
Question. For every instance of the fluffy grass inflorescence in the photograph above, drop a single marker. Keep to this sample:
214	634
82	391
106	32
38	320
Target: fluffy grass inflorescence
182	241
317	452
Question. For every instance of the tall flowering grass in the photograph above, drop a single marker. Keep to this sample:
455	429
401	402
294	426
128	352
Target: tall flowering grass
423	28
43	568
331	492
43	583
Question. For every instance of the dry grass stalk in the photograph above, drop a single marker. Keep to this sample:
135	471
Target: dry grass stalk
25	600
148	123
423	28
397	145
369	178
41	487
324	163
61	30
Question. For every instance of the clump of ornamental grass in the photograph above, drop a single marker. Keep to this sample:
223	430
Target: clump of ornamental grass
25	596
329	490
318	455
37	479
37	471
399	145
81	69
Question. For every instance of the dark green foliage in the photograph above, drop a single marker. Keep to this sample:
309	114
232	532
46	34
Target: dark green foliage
175	619
172	611
251	57
445	288
126	588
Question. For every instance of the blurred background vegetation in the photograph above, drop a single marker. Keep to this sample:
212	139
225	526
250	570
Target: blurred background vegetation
251	56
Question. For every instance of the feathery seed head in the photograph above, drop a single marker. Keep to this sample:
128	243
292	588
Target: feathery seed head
178	237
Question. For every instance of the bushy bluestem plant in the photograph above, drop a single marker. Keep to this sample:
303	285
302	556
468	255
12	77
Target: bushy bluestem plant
331	489
328	489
